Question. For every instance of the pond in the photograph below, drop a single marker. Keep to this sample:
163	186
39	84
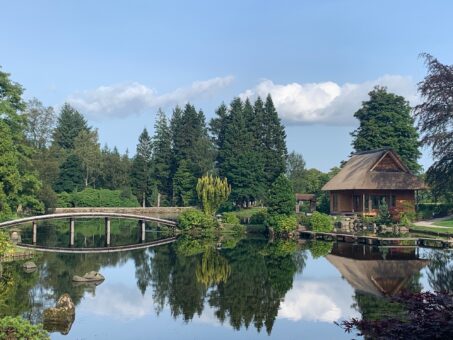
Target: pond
215	286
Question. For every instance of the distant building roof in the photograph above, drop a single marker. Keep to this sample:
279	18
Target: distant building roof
305	197
380	169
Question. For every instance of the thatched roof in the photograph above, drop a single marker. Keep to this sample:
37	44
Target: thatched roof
364	171
305	197
377	277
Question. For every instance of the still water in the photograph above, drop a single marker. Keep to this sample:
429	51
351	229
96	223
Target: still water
217	286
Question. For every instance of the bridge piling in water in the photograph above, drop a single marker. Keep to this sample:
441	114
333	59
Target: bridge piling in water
71	231
107	231
35	231
142	230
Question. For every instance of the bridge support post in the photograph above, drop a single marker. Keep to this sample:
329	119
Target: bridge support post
35	231
142	231
71	231
107	231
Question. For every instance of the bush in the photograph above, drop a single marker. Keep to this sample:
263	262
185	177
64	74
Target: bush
193	218
230	218
282	223
434	210
97	198
18	328
5	244
321	222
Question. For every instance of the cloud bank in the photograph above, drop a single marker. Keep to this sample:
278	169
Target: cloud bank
328	102
123	100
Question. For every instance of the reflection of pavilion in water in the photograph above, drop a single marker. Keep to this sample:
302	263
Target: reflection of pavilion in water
376	271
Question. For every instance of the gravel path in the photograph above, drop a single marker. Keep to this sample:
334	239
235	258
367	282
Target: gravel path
432	223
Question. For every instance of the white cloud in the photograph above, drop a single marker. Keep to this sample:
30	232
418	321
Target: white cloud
328	102
321	300
118	301
122	100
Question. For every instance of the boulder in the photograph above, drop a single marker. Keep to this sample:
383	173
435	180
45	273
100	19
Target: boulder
29	267
60	317
92	276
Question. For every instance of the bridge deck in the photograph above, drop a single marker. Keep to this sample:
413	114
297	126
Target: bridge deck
85	215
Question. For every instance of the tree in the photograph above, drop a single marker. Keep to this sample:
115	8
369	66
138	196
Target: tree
295	171
274	142
86	148
281	199
40	124
141	169
435	118
162	156
212	192
69	125
115	170
71	175
385	121
184	186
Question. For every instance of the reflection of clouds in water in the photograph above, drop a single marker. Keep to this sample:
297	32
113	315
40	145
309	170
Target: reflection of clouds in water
325	300
118	301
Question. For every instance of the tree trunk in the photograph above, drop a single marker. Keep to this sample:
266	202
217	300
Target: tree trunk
144	201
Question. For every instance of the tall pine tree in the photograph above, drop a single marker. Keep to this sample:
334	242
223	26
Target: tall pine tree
385	121
69	124
162	157
141	170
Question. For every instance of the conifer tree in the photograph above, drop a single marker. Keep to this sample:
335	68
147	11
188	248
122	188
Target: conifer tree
184	183
71	176
69	124
162	156
141	169
385	121
274	143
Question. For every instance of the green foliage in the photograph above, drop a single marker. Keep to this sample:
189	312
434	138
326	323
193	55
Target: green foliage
40	124
281	199
184	184
70	124
6	246
259	217
195	219
96	198
280	248
18	328
114	170
321	222
230	218
282	224
212	192
384	216
71	175
141	170
162	157
386	121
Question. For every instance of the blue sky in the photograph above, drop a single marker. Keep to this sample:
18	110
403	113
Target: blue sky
118	61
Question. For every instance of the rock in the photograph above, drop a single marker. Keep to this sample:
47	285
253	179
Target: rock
89	277
29	267
60	317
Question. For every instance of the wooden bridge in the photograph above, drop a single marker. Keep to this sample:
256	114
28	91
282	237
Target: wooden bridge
393	242
72	216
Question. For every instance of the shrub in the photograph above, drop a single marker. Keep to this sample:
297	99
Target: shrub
281	199
230	218
321	222
18	328
282	223
194	218
97	198
5	244
384	216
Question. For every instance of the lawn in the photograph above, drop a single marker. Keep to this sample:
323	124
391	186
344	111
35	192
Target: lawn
446	223
448	230
249	212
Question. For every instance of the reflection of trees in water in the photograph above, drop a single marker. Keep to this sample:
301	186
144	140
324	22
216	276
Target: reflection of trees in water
244	284
440	271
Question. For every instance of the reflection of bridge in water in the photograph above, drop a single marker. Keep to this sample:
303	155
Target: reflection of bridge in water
98	250
72	216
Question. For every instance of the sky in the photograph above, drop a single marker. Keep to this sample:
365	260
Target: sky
119	61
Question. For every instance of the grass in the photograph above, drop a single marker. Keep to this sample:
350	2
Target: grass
448	230
446	223
249	212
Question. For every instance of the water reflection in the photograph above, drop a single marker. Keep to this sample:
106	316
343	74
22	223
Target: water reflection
242	284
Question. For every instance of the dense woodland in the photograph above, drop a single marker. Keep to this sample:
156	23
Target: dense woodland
50	158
